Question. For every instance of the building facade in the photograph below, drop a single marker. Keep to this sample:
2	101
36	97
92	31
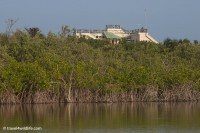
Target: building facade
114	33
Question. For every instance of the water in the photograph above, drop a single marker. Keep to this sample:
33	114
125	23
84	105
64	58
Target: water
103	118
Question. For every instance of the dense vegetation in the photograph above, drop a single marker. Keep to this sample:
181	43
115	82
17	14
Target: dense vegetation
36	68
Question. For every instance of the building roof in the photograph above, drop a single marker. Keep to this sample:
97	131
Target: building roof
110	35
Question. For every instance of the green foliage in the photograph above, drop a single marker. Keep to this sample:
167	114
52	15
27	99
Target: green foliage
171	43
24	48
30	76
94	43
196	42
35	63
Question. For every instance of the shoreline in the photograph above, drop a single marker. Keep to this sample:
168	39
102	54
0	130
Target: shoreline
88	96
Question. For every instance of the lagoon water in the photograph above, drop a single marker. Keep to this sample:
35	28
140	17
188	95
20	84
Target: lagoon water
102	118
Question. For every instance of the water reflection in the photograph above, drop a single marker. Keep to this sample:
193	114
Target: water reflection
121	117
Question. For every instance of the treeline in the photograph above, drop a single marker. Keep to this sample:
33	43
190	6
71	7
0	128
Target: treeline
36	68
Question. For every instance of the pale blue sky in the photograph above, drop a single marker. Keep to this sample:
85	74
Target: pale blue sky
165	18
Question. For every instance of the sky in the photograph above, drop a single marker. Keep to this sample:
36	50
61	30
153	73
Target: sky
176	19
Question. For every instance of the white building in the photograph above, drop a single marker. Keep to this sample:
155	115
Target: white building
115	33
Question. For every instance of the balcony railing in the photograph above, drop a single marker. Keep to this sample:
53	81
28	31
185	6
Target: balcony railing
113	27
88	31
142	30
